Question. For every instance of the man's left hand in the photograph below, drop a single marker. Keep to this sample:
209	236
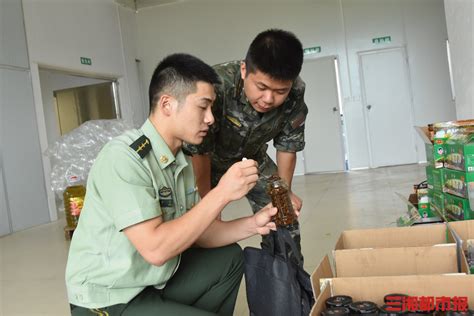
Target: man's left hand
297	203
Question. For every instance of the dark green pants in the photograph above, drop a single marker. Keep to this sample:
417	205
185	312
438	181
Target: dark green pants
206	283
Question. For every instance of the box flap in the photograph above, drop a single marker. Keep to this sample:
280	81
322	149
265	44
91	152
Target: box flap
464	229
391	237
319	306
423	132
322	271
396	261
464	264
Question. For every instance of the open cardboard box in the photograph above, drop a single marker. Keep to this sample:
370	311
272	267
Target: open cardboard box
460	232
392	237
463	229
368	262
375	288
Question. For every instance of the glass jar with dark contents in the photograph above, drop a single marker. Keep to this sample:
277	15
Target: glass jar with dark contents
278	191
363	307
388	310
341	311
460	313
338	301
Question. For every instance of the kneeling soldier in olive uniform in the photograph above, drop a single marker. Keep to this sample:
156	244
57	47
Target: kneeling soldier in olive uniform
260	99
132	252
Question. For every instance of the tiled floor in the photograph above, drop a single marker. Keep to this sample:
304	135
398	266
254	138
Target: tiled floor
32	262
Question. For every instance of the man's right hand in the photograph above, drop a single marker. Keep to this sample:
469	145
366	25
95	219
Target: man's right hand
239	179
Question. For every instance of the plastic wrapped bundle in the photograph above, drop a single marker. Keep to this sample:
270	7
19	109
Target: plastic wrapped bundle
74	153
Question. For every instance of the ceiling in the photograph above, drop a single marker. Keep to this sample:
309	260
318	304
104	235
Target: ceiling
140	4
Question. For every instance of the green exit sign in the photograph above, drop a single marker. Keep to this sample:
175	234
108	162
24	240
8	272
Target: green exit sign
312	50
383	39
86	61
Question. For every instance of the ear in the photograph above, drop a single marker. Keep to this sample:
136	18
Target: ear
243	70
166	104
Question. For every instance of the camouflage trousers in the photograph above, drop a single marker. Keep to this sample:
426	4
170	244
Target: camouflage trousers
258	198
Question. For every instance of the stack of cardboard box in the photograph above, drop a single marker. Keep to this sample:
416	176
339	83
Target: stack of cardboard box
421	261
450	170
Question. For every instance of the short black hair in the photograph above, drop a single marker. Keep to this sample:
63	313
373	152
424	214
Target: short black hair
276	53
177	75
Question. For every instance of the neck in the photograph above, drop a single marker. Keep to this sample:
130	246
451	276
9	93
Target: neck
165	131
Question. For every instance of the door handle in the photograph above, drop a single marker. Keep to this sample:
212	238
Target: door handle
334	109
369	107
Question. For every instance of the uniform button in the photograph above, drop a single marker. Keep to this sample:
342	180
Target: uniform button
181	207
79	297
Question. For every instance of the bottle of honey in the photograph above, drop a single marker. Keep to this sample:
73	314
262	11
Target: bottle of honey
279	192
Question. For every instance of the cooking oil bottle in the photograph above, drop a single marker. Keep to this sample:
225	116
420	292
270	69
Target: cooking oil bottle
73	201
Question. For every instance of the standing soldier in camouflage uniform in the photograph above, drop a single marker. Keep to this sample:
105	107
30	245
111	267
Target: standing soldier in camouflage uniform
260	99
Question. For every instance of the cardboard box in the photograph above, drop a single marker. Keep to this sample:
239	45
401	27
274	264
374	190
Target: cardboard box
429	176
423	201
464	229
437	202
375	288
393	237
434	151
457	208
460	154
438	179
459	183
396	261
439	151
437	259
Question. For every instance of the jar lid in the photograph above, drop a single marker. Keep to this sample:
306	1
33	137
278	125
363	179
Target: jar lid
458	313
386	310
336	311
363	307
338	301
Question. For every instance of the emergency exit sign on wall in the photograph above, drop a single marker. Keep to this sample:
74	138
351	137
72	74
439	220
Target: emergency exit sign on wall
312	50
86	61
383	39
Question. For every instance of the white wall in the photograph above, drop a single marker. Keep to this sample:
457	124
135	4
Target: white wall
58	34
13	50
459	16
128	27
217	31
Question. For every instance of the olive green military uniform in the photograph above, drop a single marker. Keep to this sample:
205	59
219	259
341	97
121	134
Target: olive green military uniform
136	178
239	131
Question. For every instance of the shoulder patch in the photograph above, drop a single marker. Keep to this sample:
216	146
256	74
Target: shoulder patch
233	120
142	146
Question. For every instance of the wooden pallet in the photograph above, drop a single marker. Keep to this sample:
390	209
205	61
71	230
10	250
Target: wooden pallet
68	232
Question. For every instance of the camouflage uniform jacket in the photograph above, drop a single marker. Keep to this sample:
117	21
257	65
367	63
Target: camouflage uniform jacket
239	131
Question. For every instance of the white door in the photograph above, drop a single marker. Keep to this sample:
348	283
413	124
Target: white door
4	218
388	108
324	150
21	154
5	224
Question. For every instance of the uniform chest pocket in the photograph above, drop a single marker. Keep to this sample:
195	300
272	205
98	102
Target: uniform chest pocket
191	198
232	134
167	208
